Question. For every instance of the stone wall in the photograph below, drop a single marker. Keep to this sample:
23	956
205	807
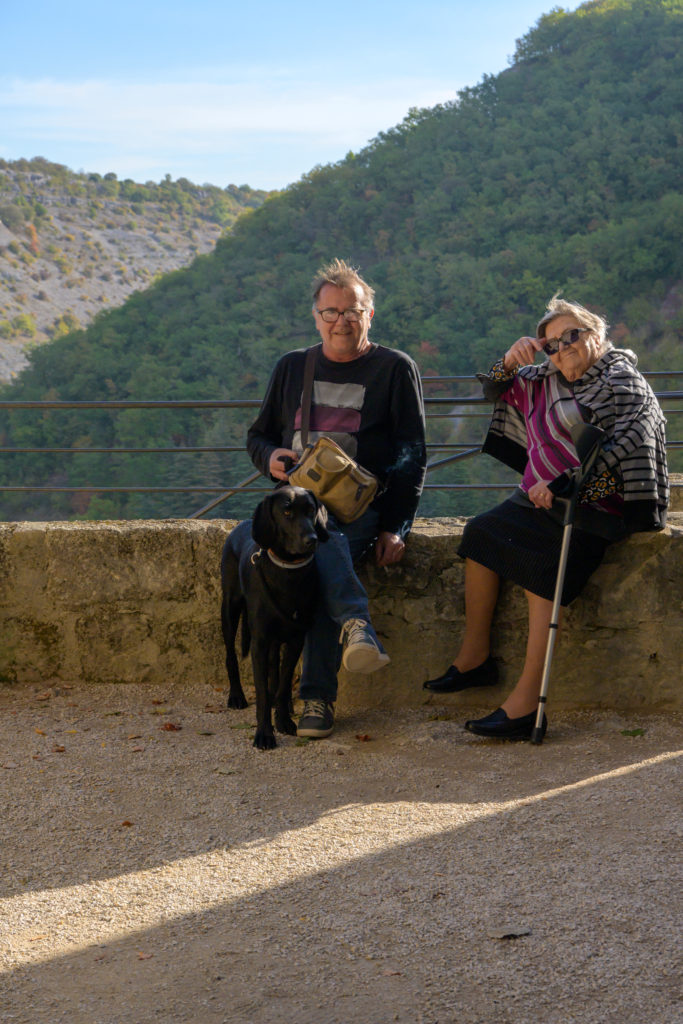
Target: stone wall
139	602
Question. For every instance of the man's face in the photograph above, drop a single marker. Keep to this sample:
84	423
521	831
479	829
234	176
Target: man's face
343	340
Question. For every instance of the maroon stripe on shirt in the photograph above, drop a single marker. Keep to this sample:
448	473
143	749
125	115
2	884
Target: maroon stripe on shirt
329	420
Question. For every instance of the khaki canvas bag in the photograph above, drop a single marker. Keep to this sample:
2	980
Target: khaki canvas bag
344	487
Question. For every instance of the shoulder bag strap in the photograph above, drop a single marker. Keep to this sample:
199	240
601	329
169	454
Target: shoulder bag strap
307	393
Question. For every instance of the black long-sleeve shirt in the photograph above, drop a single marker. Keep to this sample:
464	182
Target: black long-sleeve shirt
371	406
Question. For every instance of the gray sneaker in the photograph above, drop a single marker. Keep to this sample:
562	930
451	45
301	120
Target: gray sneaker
317	719
362	653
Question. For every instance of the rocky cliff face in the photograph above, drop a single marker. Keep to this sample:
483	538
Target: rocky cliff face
73	244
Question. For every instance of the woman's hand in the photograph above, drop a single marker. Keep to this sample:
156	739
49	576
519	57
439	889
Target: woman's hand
522	353
539	495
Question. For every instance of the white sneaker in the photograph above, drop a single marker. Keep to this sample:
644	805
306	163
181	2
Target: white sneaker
362	653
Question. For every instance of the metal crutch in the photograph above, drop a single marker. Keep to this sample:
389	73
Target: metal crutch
587	440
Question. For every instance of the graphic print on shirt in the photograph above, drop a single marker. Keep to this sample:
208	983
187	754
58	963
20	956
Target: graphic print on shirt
336	413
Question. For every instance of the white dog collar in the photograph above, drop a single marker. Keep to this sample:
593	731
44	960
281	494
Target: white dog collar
289	565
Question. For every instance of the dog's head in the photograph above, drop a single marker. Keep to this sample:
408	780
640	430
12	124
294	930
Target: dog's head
290	521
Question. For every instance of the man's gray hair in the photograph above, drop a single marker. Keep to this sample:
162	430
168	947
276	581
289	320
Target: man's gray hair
584	317
343	275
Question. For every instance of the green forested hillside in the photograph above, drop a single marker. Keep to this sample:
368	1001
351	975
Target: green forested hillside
561	173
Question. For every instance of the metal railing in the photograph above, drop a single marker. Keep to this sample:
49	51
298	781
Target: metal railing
440	407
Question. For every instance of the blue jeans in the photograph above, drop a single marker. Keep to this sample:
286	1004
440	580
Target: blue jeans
343	597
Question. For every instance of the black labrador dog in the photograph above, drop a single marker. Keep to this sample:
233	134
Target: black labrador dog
269	579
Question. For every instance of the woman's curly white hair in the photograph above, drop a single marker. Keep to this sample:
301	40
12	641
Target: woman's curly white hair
561	307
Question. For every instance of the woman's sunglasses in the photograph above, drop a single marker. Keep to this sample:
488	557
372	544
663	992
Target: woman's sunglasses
567	338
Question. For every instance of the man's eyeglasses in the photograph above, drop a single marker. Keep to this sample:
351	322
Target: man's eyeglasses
567	338
330	316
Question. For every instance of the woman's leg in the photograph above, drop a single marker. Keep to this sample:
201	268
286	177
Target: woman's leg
481	593
524	698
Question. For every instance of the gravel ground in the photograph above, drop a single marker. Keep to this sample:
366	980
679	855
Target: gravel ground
156	868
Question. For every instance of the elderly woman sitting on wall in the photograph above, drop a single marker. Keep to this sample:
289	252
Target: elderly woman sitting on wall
583	378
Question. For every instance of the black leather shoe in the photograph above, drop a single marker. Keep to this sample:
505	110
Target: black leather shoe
453	680
497	725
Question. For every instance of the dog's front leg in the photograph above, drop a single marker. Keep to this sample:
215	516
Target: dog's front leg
291	653
261	655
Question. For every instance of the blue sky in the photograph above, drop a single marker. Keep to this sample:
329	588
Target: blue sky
225	93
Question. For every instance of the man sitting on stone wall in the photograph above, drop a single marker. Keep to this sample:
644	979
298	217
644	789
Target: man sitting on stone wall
368	399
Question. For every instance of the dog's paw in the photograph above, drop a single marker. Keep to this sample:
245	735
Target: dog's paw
264	740
237	701
285	725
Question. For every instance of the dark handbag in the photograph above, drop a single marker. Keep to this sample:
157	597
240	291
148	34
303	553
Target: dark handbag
344	487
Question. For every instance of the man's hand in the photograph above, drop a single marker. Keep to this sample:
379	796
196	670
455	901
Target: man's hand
276	467
389	548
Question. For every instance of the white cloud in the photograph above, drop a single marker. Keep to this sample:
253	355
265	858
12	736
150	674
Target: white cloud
265	129
202	115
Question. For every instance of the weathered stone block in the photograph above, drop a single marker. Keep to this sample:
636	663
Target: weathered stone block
33	651
119	562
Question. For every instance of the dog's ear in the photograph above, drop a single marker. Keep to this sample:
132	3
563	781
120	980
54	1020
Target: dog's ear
262	524
320	520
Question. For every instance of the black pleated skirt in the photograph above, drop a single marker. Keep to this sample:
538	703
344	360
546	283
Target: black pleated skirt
522	544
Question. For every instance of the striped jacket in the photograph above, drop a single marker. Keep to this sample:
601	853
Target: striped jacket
613	395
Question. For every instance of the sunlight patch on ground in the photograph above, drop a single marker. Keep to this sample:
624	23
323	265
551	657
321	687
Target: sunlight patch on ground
55	922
